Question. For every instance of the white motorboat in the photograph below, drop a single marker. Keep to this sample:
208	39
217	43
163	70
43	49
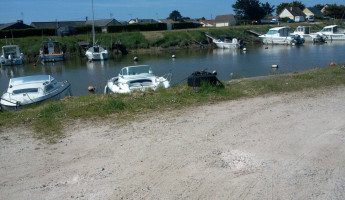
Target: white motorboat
304	32
11	55
281	35
226	42
96	52
136	78
333	32
33	89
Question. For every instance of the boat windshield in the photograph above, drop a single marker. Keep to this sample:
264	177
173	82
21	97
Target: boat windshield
271	32
31	79
136	70
326	30
26	90
9	51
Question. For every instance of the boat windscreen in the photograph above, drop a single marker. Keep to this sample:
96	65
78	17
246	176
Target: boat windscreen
9	50
271	32
26	90
145	69
30	79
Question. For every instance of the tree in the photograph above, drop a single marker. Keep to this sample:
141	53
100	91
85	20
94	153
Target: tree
268	8
319	6
281	6
175	15
335	11
249	9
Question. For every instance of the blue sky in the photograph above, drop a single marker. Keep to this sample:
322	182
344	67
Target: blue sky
65	10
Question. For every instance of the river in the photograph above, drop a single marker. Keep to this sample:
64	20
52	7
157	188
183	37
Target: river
229	63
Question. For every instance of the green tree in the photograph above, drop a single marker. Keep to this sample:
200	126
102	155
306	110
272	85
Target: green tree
281	6
319	6
335	11
249	9
175	15
268	8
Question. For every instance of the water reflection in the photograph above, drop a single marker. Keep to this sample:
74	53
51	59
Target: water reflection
12	71
53	68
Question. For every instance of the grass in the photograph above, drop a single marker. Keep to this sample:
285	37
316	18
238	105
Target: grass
48	119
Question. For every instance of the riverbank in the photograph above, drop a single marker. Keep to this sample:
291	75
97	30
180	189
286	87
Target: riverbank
144	42
275	146
49	121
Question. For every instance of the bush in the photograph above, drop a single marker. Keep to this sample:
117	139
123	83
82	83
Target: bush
185	25
87	29
18	33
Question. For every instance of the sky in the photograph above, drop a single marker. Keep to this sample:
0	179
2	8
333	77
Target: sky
121	10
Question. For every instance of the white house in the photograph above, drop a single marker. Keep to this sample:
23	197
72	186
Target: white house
292	13
225	20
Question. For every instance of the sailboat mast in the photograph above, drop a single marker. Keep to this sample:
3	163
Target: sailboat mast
93	26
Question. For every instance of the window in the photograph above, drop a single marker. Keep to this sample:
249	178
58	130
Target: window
49	87
27	90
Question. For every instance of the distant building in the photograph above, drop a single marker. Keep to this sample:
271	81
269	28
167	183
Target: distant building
141	21
207	23
292	13
169	23
57	24
103	23
225	20
14	25
312	11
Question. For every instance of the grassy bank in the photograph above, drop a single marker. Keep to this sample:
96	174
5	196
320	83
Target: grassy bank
147	40
48	120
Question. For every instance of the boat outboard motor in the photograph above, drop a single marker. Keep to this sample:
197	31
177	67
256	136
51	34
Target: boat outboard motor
197	77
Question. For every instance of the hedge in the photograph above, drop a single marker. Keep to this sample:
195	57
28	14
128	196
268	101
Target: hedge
137	27
87	29
17	33
185	25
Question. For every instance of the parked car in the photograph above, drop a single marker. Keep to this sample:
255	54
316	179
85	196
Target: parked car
274	21
290	21
311	18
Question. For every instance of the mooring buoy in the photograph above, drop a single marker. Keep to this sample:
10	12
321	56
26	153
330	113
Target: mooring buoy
135	58
274	66
173	56
91	88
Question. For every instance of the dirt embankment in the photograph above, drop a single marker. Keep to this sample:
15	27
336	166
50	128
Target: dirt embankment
287	146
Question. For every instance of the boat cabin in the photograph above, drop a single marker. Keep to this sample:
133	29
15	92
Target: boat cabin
279	31
39	84
51	47
330	29
136	70
11	51
303	30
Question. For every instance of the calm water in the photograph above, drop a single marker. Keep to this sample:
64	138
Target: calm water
256	61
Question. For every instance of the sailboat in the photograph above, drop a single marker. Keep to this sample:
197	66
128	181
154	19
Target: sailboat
96	52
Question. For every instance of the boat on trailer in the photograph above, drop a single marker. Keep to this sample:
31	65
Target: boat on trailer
11	55
51	51
136	78
227	42
33	89
281	35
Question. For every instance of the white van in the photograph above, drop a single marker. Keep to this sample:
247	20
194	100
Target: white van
311	18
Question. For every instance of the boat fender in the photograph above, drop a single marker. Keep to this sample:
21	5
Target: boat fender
332	64
91	88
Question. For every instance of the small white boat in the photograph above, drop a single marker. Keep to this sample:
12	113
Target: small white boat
333	32
96	52
51	51
281	35
227	43
304	32
11	55
33	89
136	78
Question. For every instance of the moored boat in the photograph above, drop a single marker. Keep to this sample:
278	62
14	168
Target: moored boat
33	89
11	55
281	35
227	42
51	51
333	32
304	32
136	78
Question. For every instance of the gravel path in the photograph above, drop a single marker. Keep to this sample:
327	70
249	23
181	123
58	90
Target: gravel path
286	146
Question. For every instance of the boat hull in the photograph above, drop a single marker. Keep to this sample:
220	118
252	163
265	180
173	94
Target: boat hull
7	62
224	45
12	105
97	56
51	57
